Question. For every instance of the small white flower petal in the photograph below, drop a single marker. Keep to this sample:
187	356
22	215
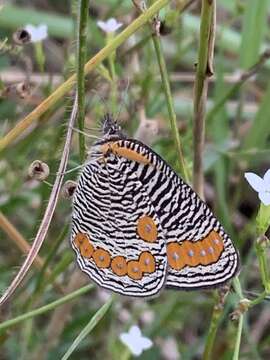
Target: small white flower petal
37	33
264	196
102	25
135	331
255	181
146	343
266	178
113	25
109	26
135	341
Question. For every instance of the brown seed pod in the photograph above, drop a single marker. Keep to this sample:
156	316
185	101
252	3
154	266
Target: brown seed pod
38	170
23	89
21	37
68	189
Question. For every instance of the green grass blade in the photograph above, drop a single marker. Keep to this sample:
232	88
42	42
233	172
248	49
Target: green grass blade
45	308
254	26
88	328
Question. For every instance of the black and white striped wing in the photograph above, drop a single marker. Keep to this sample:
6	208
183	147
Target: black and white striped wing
116	230
199	252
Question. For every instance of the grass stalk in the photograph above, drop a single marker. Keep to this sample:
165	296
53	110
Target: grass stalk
46	308
211	336
88	328
64	88
169	99
81	60
238	338
203	71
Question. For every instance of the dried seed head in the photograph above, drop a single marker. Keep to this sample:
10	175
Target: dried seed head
68	189
38	170
164	29
263	241
23	89
21	37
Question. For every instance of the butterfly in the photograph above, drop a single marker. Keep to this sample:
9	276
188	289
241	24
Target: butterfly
137	226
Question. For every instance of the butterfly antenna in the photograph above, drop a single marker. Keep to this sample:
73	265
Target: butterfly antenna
102	99
85	134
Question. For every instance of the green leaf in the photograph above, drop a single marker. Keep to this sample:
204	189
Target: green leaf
254	26
259	131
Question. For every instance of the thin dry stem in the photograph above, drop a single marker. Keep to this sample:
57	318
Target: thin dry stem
204	70
44	226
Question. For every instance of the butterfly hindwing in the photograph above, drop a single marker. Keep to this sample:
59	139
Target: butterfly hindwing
116	232
200	254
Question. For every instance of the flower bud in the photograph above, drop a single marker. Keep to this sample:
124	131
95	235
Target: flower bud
68	189
21	37
23	89
38	170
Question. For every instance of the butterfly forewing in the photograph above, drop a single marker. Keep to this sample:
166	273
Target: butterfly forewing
200	254
116	231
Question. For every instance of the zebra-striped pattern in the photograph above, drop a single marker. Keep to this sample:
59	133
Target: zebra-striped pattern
114	191
107	203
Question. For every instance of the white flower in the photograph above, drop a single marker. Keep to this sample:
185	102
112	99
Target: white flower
135	341
37	33
261	185
109	26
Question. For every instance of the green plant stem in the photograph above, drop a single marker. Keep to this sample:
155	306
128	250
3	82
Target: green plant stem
263	264
238	290
88	328
46	308
238	338
200	90
81	60
169	99
215	321
237	287
211	336
89	66
170	106
259	299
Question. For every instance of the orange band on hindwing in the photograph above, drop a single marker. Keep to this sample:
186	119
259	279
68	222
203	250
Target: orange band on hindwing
202	252
119	265
125	152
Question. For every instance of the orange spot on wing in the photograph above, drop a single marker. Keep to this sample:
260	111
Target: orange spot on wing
87	249
119	265
83	244
147	262
134	270
102	258
80	239
175	256
202	252
191	253
147	229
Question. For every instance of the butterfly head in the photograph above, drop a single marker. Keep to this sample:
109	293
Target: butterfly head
110	128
